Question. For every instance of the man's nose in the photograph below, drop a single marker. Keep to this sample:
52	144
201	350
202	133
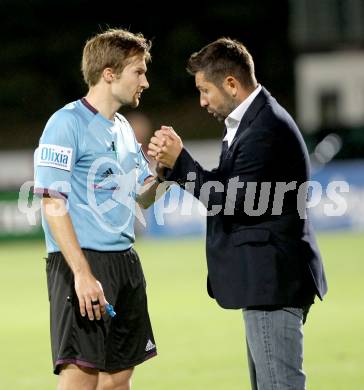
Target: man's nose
203	102
145	83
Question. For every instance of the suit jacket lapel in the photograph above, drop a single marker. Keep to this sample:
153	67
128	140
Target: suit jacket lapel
224	146
252	112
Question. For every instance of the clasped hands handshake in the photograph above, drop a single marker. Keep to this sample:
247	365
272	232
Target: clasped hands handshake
165	146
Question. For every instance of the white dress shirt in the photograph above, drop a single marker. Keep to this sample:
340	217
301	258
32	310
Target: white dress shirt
234	118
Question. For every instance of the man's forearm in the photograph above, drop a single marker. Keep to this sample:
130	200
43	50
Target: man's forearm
151	192
63	232
192	177
89	291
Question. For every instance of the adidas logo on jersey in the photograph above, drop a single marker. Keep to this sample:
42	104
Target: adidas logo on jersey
107	173
149	346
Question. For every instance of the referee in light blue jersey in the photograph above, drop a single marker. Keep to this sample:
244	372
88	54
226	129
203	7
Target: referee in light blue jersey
90	172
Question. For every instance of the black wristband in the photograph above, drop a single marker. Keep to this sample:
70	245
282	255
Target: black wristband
158	179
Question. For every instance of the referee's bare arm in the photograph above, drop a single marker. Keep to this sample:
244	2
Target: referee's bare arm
151	191
87	287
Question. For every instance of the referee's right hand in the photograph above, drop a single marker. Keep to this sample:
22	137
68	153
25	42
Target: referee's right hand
90	296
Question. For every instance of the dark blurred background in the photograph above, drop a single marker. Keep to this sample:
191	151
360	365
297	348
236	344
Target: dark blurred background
42	41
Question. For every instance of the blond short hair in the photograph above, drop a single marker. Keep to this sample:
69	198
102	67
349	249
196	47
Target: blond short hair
111	49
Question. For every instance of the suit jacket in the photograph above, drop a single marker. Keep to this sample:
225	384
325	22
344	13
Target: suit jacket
268	257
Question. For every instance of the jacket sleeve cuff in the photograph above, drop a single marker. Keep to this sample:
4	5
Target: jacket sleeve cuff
179	172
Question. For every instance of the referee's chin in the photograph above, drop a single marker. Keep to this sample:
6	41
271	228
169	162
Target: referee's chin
134	103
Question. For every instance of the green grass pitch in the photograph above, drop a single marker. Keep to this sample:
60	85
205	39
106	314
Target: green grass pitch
200	345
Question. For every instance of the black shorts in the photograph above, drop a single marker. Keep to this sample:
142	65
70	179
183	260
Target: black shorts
110	344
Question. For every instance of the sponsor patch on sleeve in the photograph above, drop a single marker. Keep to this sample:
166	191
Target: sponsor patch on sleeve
54	156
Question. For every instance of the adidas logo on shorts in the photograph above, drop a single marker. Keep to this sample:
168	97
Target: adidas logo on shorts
149	346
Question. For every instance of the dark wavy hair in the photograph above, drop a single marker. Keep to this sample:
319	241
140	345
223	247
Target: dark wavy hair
221	58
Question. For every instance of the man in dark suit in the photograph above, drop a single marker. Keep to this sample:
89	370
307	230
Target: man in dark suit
261	252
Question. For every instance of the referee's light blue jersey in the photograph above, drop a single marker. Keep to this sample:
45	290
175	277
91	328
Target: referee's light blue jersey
97	165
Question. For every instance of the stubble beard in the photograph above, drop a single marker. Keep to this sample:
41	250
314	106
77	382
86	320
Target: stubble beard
228	107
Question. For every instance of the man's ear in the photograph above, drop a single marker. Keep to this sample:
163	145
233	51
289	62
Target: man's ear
108	75
231	85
